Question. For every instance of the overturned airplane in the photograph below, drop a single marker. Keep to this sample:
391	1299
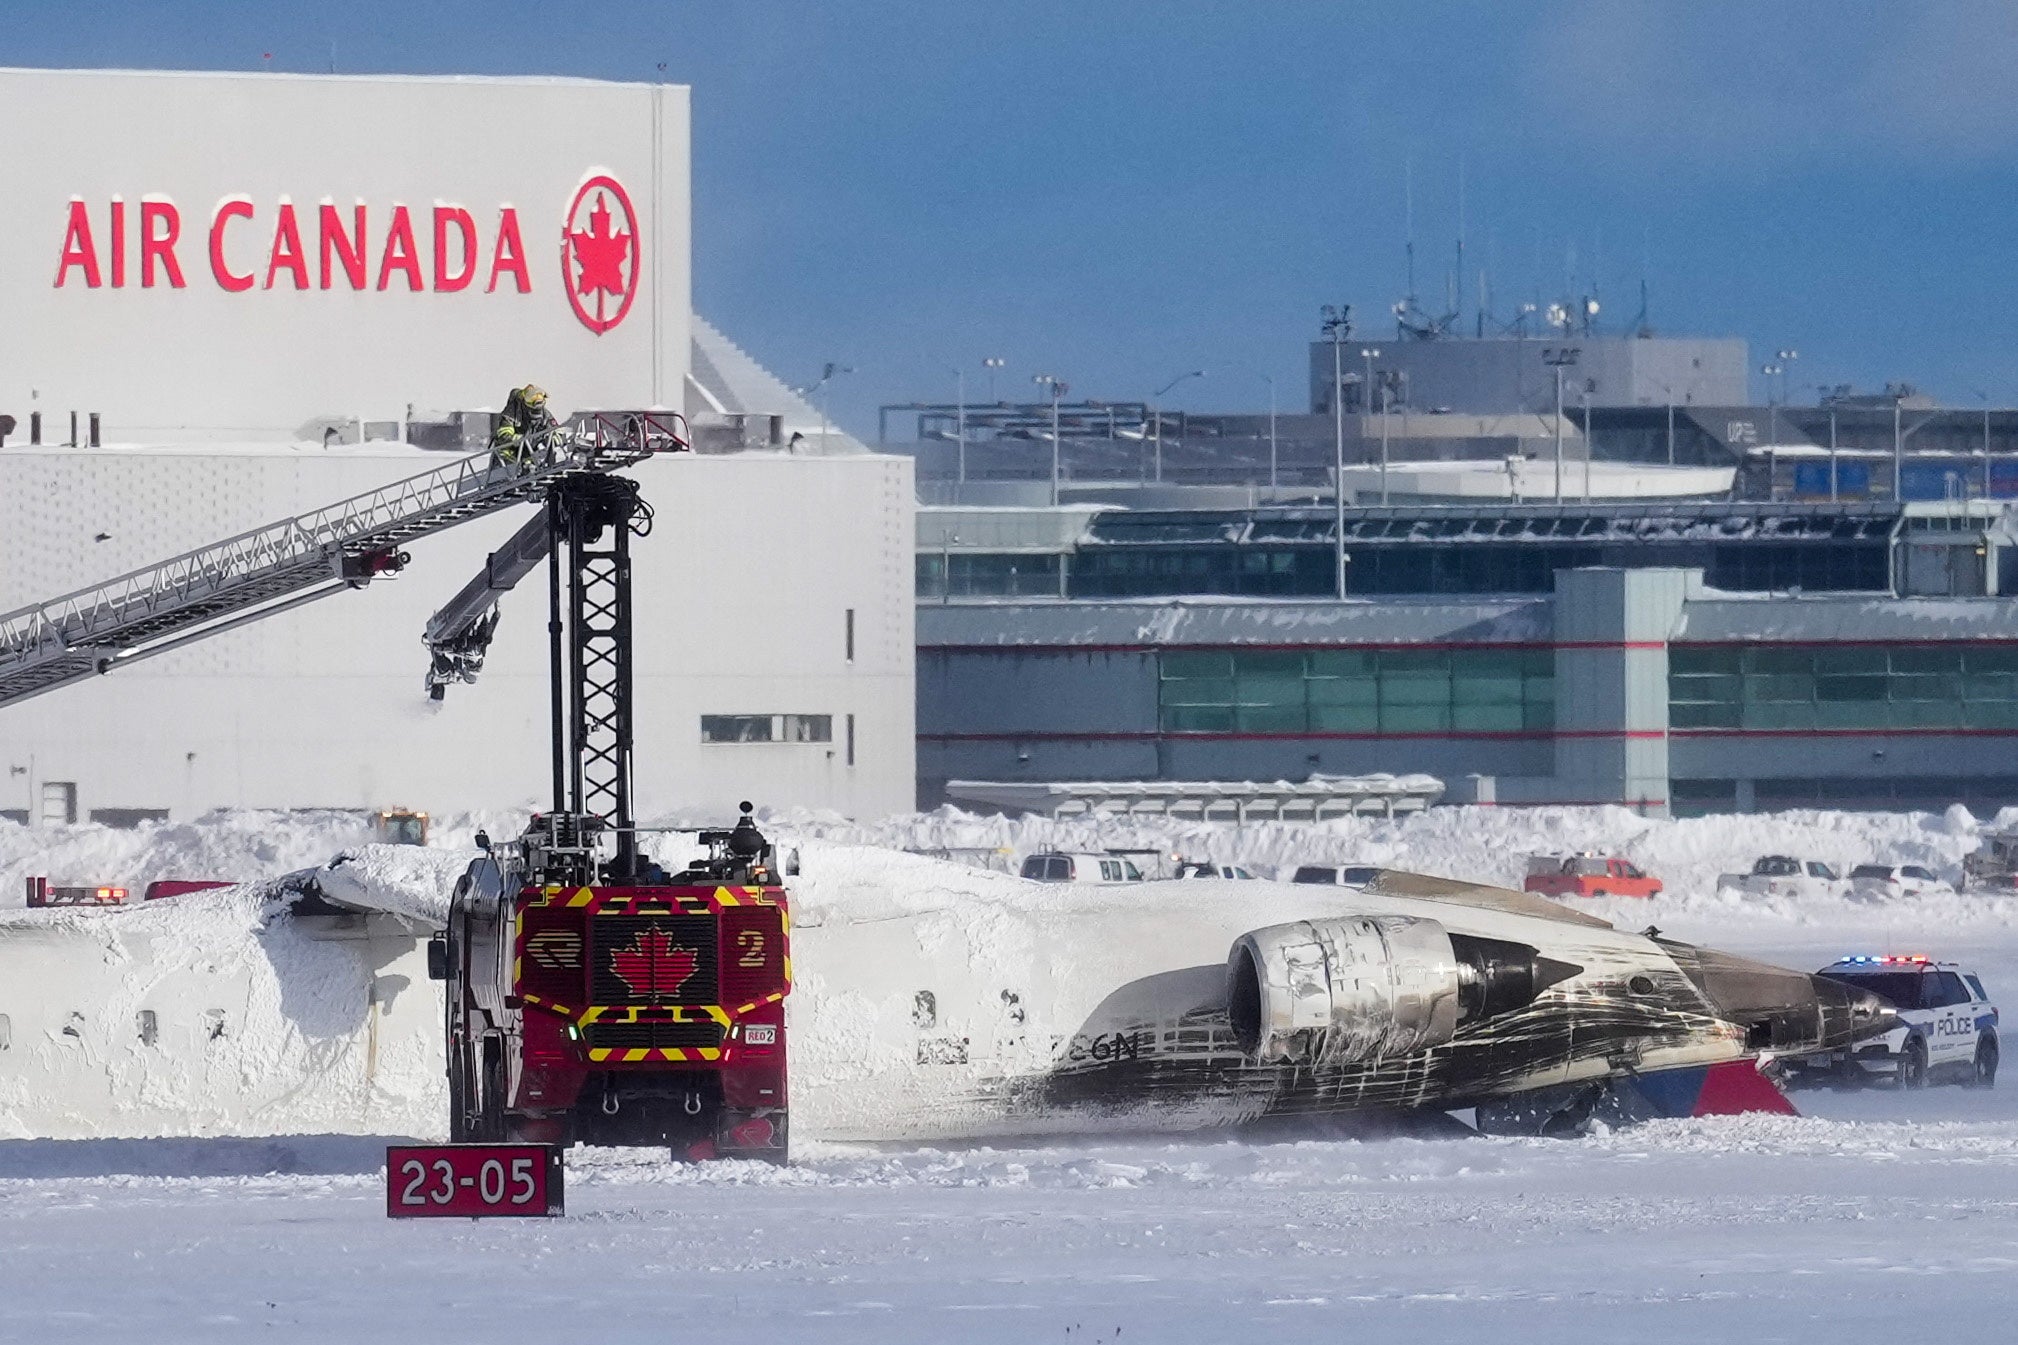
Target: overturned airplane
935	1003
1189	1005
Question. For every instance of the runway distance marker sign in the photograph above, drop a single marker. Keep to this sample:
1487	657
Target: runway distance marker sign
474	1181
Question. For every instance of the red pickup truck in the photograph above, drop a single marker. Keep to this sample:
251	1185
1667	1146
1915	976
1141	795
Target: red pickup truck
1588	876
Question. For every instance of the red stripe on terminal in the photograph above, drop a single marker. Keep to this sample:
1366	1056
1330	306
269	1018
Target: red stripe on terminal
1845	733
1292	647
1494	735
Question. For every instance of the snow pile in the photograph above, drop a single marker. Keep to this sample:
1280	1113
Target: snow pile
1491	845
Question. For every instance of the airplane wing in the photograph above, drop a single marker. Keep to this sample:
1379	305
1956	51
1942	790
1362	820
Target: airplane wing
1429	887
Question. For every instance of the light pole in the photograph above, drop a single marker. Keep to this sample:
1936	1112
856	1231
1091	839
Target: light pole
1560	358
1157	413
1058	389
827	376
1668	391
1590	445
1783	359
1898	445
960	423
1369	354
1984	397
1338	326
991	364
1268	379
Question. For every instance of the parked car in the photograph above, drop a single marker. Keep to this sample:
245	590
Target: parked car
1786	876
1340	875
1877	882
1200	868
1948	1026
1588	876
1059	866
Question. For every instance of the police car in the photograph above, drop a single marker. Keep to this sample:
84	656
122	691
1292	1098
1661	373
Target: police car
1949	1026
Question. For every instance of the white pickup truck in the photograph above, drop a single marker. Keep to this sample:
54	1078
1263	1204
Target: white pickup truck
1786	876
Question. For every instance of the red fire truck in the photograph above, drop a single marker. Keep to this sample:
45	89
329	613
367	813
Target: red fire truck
593	996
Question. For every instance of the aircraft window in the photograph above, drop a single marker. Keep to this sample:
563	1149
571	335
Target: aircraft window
1977	987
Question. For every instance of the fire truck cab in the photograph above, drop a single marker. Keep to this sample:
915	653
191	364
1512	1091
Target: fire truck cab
641	1012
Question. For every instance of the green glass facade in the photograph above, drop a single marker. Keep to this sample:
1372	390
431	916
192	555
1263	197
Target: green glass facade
1843	687
1375	691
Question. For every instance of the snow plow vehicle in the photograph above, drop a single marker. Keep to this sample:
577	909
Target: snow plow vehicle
1993	865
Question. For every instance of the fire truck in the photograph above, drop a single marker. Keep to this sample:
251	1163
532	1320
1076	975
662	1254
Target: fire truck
592	995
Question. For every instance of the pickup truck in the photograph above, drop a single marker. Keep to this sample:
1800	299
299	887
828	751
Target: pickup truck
1786	876
1588	876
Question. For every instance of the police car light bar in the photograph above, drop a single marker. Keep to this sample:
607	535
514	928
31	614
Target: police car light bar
1871	959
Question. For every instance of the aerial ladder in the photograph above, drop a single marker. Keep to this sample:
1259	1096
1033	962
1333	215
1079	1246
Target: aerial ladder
296	561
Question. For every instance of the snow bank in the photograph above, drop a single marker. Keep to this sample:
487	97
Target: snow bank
215	1014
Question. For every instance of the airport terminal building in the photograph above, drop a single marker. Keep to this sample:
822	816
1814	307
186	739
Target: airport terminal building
232	299
1673	659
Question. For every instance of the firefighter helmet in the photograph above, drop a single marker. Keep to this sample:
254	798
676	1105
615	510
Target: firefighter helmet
533	395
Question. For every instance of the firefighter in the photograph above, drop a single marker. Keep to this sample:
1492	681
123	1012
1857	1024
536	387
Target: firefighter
524	430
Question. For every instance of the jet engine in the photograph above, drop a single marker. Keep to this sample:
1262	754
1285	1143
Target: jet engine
1362	988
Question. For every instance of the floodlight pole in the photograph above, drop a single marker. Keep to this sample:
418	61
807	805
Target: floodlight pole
1338	326
1560	358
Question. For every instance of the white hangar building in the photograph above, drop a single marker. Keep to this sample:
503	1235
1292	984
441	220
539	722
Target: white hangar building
231	299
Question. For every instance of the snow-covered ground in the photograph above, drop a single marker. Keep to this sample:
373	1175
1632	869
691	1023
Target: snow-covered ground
1877	1214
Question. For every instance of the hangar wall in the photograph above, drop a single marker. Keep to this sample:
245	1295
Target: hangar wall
757	569
205	256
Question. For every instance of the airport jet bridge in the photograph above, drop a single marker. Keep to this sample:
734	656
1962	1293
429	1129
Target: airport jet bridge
295	561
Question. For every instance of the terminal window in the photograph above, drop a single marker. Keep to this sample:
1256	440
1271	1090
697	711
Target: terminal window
767	728
1375	691
1954	686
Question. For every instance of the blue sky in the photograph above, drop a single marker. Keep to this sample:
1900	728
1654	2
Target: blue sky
1119	192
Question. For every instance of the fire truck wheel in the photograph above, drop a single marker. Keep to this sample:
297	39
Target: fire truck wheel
459	1088
490	1125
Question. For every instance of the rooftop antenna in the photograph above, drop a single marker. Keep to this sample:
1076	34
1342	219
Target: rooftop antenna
1408	225
1640	324
1457	299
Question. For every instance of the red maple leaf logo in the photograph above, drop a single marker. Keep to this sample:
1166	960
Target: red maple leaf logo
600	263
654	965
600	254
